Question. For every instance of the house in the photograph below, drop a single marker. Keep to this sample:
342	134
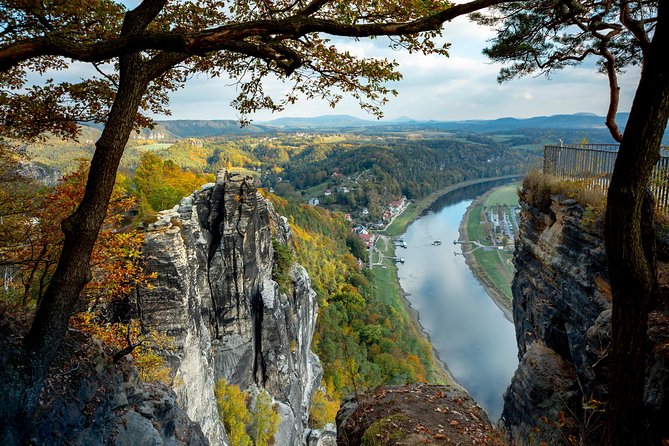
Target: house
361	230
367	238
348	217
365	211
314	201
328	192
343	189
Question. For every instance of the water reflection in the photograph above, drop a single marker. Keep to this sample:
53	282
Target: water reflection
468	331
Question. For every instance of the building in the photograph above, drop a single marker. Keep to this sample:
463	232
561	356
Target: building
314	201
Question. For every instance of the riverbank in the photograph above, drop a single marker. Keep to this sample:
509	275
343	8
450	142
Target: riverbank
415	208
387	284
500	299
386	279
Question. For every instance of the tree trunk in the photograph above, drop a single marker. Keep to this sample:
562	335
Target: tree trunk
81	229
629	245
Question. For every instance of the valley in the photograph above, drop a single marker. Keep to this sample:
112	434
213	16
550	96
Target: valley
402	258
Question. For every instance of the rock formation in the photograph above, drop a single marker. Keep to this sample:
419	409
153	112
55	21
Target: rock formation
562	315
216	297
88	400
412	415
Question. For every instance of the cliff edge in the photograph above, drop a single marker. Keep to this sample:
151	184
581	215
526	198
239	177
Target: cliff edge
562	315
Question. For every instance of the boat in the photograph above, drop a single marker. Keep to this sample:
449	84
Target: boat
436	242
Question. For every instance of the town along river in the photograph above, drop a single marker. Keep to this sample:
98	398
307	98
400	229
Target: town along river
469	332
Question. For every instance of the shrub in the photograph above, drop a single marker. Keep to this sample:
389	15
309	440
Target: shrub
255	427
283	259
233	413
323	410
266	420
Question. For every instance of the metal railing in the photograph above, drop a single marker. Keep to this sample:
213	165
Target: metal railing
592	164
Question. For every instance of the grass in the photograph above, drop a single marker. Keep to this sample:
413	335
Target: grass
503	196
244	171
475	230
538	188
317	190
386	281
494	267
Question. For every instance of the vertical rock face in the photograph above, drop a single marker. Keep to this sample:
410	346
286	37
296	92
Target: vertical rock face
215	295
562	316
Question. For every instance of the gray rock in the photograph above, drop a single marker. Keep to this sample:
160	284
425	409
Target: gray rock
562	315
321	437
135	430
215	295
86	403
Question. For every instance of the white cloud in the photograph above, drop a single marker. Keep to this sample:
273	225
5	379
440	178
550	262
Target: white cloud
462	86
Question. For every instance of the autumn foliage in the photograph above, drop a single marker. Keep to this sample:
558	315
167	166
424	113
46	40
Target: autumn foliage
32	247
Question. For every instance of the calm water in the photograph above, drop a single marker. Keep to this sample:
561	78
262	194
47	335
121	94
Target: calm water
468	331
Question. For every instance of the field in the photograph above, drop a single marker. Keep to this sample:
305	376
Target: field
493	267
504	195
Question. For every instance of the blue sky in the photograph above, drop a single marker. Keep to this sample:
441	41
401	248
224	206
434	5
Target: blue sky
462	86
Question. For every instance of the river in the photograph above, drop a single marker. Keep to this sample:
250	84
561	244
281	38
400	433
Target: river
469	332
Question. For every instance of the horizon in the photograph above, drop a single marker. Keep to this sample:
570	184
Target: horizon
372	119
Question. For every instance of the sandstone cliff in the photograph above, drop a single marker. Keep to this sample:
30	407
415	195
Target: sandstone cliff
215	295
562	313
89	400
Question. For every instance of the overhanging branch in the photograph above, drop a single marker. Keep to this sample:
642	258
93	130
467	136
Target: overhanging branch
222	38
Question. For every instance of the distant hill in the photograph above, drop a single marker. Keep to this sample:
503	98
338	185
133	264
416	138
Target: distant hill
573	121
204	128
200	128
539	128
325	121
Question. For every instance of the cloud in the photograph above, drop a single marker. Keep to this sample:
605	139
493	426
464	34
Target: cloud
462	86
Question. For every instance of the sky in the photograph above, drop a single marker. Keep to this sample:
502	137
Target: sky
462	86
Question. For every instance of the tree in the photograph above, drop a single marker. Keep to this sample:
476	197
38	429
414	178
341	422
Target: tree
151	50
550	36
232	410
265	420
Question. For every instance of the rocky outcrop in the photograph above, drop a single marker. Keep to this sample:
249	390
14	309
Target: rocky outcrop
88	400
412	415
562	314
216	297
